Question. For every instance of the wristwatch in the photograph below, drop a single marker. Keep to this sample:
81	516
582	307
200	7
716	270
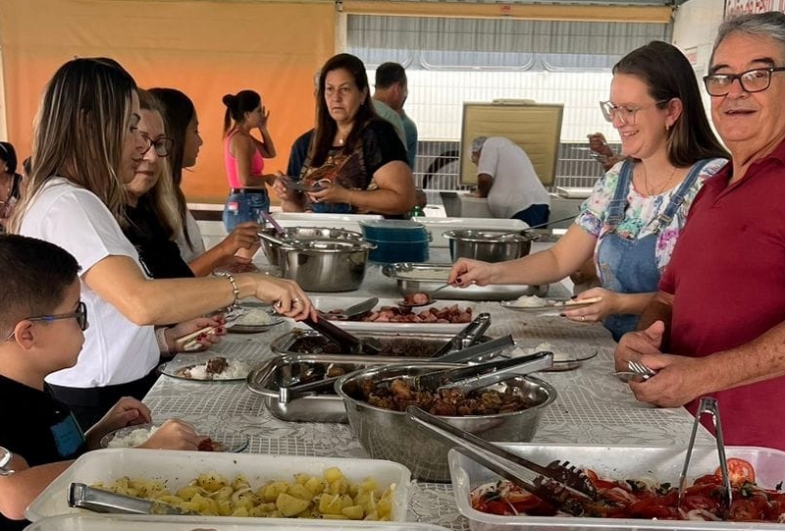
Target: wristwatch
5	459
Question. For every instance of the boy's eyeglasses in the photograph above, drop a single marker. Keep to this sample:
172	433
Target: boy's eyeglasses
163	145
626	114
80	315
756	80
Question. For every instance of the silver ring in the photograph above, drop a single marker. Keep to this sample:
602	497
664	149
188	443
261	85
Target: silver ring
295	300
583	317
277	304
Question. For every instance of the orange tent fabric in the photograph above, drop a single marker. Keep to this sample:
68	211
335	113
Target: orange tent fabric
204	48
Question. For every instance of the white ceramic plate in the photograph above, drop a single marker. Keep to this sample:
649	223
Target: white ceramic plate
258	318
549	305
223	440
177	368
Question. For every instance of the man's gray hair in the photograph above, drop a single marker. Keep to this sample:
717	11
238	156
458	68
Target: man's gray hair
770	24
478	143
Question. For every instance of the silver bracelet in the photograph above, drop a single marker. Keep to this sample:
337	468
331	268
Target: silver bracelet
235	290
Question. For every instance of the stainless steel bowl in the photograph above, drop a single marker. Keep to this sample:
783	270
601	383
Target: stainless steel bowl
325	265
386	434
425	278
304	233
488	245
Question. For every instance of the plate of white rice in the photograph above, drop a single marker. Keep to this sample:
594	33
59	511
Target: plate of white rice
215	440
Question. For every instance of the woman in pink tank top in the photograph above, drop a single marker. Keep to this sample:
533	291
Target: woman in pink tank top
244	158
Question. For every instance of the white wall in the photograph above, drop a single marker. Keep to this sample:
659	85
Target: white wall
695	26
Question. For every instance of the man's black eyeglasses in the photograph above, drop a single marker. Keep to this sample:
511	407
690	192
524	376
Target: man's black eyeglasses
80	315
162	145
755	80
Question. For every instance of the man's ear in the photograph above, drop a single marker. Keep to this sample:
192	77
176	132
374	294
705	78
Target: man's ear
24	335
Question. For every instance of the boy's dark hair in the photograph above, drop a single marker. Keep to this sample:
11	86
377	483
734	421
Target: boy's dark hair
35	276
388	74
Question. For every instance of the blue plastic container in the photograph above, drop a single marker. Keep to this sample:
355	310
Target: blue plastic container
396	240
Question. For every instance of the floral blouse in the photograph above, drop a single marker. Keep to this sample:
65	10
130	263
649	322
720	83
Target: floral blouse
641	213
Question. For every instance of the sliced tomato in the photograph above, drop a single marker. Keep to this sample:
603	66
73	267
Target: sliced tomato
739	471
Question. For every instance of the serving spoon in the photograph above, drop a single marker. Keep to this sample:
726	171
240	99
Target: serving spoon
407	306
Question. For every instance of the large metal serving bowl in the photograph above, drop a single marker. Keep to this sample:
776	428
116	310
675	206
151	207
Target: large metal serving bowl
488	245
304	233
325	265
386	434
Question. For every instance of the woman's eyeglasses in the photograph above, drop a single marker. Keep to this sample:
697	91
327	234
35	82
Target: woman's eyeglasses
80	315
756	80
625	113
163	145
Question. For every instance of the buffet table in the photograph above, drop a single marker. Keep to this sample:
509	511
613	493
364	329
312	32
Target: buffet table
592	407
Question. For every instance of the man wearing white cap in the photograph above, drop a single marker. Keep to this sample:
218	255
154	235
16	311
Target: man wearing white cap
506	176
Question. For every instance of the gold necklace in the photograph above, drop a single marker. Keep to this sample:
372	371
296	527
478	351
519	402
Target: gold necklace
664	187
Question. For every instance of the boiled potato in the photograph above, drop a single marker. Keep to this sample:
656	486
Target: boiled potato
291	506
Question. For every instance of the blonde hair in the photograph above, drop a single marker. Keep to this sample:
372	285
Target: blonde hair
161	199
80	131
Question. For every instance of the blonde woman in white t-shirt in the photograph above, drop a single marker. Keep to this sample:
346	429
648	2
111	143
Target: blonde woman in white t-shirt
87	146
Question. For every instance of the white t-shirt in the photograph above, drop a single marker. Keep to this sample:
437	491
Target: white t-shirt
116	350
195	234
515	186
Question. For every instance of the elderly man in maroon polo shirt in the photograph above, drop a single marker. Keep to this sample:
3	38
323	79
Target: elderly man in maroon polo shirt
720	311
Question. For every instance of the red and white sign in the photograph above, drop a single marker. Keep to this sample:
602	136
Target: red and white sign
745	7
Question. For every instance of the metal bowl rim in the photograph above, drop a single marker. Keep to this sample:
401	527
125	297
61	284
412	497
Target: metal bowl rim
475	236
552	393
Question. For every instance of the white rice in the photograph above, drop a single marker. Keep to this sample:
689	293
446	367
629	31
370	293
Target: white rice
134	438
234	371
254	317
529	301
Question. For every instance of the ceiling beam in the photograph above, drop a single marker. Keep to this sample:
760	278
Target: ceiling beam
563	12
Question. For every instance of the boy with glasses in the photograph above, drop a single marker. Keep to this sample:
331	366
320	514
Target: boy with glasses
42	322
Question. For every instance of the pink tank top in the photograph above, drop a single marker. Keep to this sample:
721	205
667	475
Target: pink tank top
257	164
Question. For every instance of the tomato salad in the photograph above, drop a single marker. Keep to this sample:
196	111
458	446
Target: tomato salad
639	499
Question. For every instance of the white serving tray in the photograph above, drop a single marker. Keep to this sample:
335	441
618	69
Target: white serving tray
436	227
328	303
616	462
337	221
573	192
177	468
74	522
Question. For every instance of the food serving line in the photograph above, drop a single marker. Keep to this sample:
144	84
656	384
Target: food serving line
592	407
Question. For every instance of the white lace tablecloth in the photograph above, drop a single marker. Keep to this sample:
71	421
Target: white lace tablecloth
592	407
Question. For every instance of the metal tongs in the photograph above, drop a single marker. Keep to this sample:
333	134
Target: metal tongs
559	484
484	374
104	501
468	336
708	405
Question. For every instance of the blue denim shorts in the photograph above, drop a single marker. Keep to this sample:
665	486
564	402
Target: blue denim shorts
244	206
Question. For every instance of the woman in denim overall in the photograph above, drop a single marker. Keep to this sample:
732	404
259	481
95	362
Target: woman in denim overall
628	229
629	265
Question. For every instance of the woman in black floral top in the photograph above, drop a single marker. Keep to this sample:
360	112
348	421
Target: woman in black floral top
356	162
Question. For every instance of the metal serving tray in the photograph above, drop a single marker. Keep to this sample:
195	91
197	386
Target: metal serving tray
326	407
414	278
617	462
267	379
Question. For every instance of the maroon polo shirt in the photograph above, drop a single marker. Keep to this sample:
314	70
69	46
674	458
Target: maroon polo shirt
727	274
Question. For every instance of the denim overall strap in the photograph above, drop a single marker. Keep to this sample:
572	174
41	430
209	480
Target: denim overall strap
666	216
618	204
